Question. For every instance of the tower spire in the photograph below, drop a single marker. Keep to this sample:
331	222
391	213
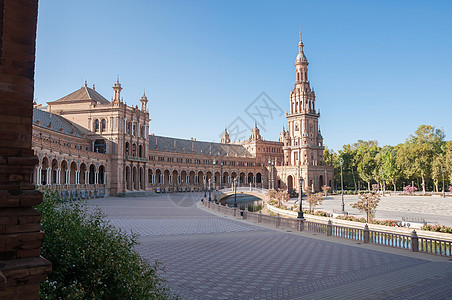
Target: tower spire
144	101
117	88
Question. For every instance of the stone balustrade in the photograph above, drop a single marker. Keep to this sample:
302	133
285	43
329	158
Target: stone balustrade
411	242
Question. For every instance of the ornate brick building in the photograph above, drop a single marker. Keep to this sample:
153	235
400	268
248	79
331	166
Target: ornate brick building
88	147
303	141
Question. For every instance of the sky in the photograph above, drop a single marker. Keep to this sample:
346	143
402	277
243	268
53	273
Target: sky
379	68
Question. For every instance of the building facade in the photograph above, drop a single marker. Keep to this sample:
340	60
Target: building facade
88	147
303	141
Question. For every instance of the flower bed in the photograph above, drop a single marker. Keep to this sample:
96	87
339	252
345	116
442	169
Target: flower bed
437	228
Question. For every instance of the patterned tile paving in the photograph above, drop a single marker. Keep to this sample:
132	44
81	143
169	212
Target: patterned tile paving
210	257
155	227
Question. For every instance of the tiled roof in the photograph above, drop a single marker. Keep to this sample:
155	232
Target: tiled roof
58	123
161	143
84	93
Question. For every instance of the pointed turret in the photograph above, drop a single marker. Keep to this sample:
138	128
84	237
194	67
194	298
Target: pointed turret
117	88
144	102
225	137
255	133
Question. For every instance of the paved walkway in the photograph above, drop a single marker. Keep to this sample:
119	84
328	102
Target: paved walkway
210	256
433	209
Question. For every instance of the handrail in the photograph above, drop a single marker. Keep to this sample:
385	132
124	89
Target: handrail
384	238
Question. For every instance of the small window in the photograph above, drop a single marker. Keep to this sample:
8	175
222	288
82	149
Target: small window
104	125
96	125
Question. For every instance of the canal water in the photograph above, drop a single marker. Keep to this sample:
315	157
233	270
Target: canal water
244	202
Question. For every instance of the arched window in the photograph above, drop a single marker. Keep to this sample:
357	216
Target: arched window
96	125
104	125
127	148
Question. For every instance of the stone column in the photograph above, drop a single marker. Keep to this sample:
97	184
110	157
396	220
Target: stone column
68	177
49	176
21	266
58	176
38	175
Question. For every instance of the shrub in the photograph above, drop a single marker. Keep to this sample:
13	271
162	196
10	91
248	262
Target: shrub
437	228
91	259
410	189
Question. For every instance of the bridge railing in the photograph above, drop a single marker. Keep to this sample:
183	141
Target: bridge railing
245	189
396	240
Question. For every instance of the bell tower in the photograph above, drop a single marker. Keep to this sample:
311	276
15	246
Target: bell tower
303	142
305	146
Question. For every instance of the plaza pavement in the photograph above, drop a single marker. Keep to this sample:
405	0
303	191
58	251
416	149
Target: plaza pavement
211	256
433	209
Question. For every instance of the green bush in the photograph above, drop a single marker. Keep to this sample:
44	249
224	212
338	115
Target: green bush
437	228
91	259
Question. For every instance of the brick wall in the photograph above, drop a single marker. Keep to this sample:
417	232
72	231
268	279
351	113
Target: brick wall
21	266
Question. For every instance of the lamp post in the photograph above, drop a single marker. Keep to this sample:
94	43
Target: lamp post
444	191
300	198
213	173
384	185
271	173
269	164
221	175
326	183
234	184
205	189
210	196
342	186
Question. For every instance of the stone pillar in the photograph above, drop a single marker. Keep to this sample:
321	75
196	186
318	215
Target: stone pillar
414	241
38	175
68	177
21	266
58	178
366	234
329	228
49	176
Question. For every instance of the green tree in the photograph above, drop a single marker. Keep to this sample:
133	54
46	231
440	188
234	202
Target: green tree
448	158
365	160
328	156
92	259
389	166
437	170
415	157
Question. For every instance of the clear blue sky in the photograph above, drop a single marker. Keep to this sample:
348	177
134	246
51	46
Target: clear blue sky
379	68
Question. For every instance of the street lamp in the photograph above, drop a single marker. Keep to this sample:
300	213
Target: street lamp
269	176
221	175
326	183
273	179
210	197
205	189
214	177
234	184
300	198
384	184
342	186
444	191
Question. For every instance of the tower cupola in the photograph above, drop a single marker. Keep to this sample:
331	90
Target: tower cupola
144	102
117	88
